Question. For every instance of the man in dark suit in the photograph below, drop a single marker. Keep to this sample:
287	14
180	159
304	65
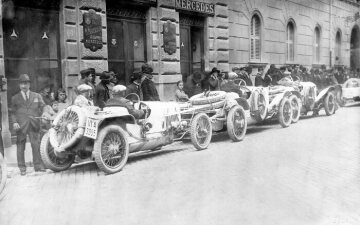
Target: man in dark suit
26	106
102	93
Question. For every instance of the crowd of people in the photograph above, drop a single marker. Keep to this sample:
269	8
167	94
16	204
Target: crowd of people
29	108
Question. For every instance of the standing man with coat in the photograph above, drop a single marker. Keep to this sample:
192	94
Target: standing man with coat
102	93
26	106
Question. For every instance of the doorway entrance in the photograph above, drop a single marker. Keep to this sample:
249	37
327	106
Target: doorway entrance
191	44
31	46
355	48
126	41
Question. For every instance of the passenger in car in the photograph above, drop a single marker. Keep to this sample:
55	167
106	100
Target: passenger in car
119	100
83	99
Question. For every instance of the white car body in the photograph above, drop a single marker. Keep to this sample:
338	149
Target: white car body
351	89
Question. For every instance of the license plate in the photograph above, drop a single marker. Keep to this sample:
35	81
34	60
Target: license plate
91	128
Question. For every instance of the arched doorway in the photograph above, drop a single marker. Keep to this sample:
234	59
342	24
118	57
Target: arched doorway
355	48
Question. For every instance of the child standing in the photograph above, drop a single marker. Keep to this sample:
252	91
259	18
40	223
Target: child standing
180	94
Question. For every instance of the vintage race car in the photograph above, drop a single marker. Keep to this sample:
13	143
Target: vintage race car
351	90
108	136
282	103
313	100
226	110
3	173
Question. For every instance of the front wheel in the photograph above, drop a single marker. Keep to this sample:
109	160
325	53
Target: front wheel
296	108
329	104
285	112
48	156
200	131
111	149
236	123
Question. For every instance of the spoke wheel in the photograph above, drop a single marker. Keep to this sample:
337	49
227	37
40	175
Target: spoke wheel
260	114
285	112
3	173
111	149
329	104
201	131
296	108
51	161
236	123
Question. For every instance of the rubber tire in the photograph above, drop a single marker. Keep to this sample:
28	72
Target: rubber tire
3	173
201	99
257	115
283	123
230	123
295	118
193	132
328	111
44	147
202	108
98	144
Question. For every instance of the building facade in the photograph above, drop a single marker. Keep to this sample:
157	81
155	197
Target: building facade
52	40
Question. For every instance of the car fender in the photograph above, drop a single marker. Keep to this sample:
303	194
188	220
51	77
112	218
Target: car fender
323	93
243	102
276	101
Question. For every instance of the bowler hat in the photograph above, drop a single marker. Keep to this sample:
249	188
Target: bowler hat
215	70
146	68
24	78
106	75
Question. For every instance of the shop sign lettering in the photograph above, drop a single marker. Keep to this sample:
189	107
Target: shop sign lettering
92	31
169	36
195	6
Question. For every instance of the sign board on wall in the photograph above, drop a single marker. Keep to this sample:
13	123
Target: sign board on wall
195	6
92	31
169	36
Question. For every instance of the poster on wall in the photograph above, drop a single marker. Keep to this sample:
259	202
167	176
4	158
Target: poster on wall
169	36
92	31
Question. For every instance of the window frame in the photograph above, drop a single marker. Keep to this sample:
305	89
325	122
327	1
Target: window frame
317	45
338	47
287	58
257	15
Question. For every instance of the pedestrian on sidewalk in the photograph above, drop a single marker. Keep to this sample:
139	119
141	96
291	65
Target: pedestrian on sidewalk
102	93
27	107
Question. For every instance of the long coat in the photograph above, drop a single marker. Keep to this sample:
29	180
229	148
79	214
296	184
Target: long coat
24	112
149	91
102	94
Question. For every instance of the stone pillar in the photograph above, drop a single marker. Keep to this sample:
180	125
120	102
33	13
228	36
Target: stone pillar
218	38
75	56
166	67
5	132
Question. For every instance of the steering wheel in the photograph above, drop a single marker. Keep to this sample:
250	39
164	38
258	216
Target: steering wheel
133	97
143	106
241	82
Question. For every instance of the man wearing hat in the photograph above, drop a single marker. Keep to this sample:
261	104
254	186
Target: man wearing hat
83	98
119	100
193	85
147	85
134	87
211	81
102	93
88	77
26	107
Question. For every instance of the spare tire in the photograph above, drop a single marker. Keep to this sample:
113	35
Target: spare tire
68	127
208	98
202	108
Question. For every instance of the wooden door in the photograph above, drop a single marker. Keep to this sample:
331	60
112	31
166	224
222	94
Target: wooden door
185	52
126	47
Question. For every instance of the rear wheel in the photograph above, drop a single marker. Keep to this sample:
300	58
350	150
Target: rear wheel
296	108
236	123
3	173
329	104
285	112
111	149
51	161
201	131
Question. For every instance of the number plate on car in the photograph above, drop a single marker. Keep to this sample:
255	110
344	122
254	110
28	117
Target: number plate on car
91	128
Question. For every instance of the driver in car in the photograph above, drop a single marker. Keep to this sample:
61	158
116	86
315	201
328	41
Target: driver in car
119	100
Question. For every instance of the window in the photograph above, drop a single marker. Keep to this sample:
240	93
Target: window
290	40
338	47
255	48
317	45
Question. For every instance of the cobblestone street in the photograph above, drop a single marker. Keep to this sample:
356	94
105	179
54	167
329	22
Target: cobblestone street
308	173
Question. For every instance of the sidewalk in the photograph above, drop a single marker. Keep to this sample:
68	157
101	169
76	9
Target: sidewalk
10	155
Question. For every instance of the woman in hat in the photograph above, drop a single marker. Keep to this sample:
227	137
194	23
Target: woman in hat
102	93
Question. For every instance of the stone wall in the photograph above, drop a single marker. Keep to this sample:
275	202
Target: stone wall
275	16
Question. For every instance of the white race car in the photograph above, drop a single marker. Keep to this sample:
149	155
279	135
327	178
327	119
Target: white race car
351	90
108	136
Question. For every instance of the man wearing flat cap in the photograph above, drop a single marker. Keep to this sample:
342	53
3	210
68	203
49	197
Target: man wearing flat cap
87	77
83	98
102	93
147	85
26	106
119	100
